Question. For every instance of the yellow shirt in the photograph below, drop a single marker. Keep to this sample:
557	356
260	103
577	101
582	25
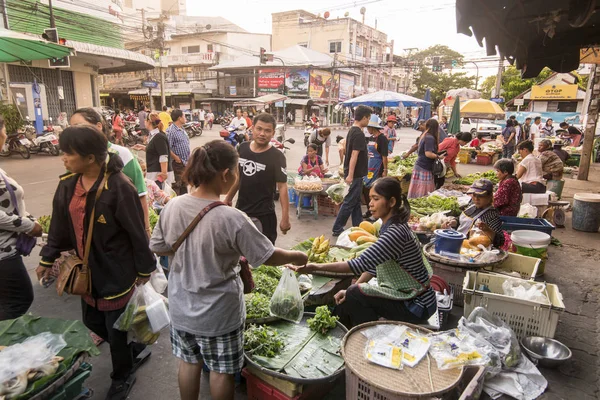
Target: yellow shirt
165	117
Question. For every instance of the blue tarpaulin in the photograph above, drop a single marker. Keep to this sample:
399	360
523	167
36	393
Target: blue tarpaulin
425	112
385	98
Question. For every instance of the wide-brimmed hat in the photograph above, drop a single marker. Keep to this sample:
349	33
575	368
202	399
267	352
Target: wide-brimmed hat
391	118
481	186
375	122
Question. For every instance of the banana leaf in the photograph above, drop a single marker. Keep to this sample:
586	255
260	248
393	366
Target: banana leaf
74	332
304	246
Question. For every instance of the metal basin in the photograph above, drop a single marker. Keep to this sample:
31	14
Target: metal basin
545	352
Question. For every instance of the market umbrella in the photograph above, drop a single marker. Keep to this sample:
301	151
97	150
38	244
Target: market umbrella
384	98
15	46
481	108
454	124
425	112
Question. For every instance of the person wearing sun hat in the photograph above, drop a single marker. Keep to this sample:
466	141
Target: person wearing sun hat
390	132
480	213
378	157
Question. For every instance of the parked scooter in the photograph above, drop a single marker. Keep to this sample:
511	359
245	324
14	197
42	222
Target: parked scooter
192	129
16	143
46	142
281	145
309	128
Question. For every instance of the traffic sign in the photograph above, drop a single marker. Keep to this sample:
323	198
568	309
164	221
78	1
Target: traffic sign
150	84
519	102
497	99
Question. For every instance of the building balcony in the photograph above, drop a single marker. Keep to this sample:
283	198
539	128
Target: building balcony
188	59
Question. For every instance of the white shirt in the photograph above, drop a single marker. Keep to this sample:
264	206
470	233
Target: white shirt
210	116
435	117
534	131
237	122
533	170
201	115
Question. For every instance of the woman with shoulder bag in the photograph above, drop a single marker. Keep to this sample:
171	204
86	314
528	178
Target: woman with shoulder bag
206	301
96	211
16	229
422	180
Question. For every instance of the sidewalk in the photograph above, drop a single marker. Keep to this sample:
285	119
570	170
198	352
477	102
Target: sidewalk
574	186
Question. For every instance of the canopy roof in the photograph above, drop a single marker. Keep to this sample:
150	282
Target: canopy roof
262	100
295	56
15	46
385	98
112	60
545	32
481	108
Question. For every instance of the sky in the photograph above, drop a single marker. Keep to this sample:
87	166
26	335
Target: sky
410	24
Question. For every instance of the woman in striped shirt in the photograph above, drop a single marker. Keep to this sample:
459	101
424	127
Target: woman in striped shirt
402	292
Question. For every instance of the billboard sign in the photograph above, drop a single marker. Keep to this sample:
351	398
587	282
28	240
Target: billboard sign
346	87
297	82
554	92
269	80
320	85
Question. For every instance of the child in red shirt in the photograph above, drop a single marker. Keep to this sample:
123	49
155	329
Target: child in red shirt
507	199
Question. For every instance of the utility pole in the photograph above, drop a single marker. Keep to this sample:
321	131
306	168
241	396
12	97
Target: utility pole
499	76
331	87
60	88
592	112
161	45
5	66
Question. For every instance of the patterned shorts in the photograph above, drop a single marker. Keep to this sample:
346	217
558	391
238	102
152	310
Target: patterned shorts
223	354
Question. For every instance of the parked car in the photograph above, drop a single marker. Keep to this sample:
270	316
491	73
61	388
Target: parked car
478	125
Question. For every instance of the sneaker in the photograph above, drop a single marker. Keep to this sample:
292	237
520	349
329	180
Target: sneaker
336	234
119	389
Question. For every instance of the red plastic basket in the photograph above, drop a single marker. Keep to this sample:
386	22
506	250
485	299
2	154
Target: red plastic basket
484	160
257	389
327	207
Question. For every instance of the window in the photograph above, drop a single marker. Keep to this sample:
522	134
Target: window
335	47
209	48
371	52
370	81
190	49
303	44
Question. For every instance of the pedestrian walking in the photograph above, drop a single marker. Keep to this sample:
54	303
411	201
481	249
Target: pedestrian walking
179	143
165	117
509	138
158	152
16	291
262	169
118	126
377	149
206	300
422	182
355	168
201	117
96	197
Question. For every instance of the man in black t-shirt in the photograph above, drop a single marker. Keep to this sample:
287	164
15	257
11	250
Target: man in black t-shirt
262	168
572	133
355	168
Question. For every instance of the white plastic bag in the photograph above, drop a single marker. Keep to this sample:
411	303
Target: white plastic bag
157	312
382	352
456	348
287	302
527	211
525	290
158	279
124	322
337	192
169	190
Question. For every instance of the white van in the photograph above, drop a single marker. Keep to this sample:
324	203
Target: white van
478	125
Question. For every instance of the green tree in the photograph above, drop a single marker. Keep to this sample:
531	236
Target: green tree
487	86
12	117
445	54
440	83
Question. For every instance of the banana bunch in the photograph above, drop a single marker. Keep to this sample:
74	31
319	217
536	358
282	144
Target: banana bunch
320	250
140	327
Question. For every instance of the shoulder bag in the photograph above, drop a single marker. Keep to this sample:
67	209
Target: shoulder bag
245	272
74	275
25	243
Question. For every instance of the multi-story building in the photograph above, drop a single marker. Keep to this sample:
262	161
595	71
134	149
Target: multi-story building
191	46
352	43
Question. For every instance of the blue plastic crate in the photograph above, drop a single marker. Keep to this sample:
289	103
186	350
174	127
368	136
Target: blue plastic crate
532	224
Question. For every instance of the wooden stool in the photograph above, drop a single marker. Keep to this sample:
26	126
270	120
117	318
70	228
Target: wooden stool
313	209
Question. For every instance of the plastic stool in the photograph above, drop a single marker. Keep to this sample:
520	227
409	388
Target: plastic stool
309	210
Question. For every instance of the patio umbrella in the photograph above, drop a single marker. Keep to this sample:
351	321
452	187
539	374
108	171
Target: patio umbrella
454	124
15	46
425	112
481	108
385	98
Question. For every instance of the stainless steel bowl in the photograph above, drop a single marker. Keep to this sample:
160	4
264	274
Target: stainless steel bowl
545	352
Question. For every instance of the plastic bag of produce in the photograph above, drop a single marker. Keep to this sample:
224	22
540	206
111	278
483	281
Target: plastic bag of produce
158	279
337	192
287	302
123	323
456	347
156	310
496	332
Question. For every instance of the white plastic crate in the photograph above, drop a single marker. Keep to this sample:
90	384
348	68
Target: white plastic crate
527	267
525	317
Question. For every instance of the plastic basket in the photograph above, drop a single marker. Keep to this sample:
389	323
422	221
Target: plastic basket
525	317
464	158
258	389
527	267
484	159
454	276
327	207
512	224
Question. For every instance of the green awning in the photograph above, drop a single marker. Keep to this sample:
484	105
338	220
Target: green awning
15	46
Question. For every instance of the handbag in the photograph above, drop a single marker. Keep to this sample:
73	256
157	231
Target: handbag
245	272
74	275
25	243
439	168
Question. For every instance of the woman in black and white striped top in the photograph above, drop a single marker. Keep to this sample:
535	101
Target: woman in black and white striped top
16	292
396	257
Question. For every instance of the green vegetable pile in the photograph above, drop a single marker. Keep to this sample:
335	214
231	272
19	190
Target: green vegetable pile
152	217
44	221
433	204
336	192
323	321
257	305
264	284
397	167
273	272
469	179
262	341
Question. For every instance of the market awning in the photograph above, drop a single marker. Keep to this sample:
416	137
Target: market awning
111	60
15	46
262	100
384	98
549	33
156	92
298	102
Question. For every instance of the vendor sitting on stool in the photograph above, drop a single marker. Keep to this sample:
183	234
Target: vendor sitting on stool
508	197
312	164
529	171
552	165
558	150
480	213
403	292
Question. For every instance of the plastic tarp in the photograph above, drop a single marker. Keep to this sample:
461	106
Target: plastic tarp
385	98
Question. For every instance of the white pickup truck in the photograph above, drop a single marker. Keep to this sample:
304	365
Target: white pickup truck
479	126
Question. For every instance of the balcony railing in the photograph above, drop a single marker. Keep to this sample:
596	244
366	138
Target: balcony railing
188	59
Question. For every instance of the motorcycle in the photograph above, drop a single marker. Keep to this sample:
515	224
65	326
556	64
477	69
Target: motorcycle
281	144
16	143
192	129
46	142
132	136
309	128
234	135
